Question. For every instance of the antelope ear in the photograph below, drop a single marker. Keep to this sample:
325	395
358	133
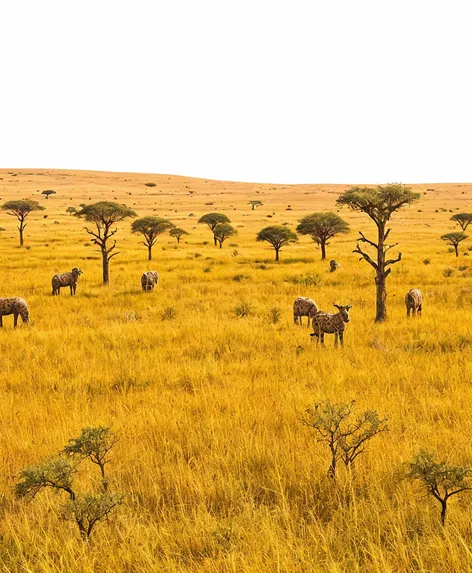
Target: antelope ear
349	306
336	305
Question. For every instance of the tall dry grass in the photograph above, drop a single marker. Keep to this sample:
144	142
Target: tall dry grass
218	472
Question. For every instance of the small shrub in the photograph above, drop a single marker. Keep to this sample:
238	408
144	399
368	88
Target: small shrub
239	277
243	309
274	315
427	261
307	280
168	313
462	268
207	269
130	316
448	272
150	184
196	255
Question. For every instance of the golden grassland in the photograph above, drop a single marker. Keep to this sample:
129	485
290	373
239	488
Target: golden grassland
218	472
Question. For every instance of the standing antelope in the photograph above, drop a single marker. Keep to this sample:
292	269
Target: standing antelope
413	302
66	279
149	280
303	306
16	306
325	323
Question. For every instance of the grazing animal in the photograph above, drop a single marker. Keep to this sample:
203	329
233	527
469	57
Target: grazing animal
333	265
16	306
325	323
414	302
66	279
304	307
149	280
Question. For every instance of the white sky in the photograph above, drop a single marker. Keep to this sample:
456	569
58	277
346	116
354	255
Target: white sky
333	91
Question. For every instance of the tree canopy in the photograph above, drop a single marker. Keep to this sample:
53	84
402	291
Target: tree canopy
223	231
177	232
322	227
151	228
453	239
277	236
462	219
21	208
380	202
213	219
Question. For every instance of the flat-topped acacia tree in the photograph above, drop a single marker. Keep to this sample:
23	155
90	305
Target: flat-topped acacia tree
462	219
213	219
454	239
322	227
178	233
222	232
277	236
20	209
105	214
379	203
150	228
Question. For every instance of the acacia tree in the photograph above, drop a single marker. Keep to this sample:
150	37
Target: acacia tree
453	240
277	236
213	219
150	228
71	210
177	232
322	227
223	231
345	435
462	219
105	214
21	209
255	203
441	480
48	192
379	204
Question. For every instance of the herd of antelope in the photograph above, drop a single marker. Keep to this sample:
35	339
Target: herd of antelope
326	323
322	322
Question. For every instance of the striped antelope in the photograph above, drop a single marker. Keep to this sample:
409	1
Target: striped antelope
149	281
66	279
325	323
303	306
16	306
414	302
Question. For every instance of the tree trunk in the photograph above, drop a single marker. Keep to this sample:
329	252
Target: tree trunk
178	239
221	244
253	207
21	234
149	253
323	250
381	297
276	254
214	239
381	291
456	248
106	264
443	511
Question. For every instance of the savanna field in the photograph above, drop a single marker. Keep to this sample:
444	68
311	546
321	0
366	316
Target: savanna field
217	470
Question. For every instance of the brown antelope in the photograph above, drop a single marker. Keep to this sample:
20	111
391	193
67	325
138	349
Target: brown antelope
304	307
414	302
16	306
149	280
66	279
